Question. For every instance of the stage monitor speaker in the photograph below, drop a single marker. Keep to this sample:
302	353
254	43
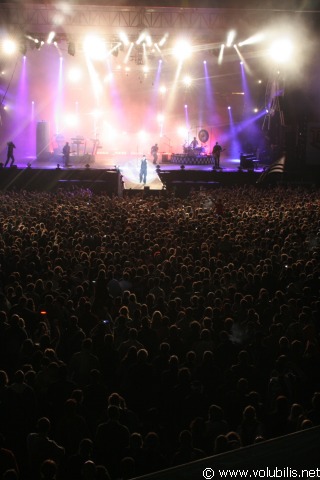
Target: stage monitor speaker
42	140
248	160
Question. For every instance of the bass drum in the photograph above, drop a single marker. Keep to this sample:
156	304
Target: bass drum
203	136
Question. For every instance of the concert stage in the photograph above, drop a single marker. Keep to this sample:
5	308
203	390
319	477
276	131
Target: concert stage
203	178
108	180
117	174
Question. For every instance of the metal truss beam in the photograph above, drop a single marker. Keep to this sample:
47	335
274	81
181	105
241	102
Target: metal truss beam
41	18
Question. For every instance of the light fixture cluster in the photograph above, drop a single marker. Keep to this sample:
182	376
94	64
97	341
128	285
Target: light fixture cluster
139	45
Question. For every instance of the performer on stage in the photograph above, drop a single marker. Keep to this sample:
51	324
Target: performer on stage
217	149
154	153
66	154
10	156
143	170
194	143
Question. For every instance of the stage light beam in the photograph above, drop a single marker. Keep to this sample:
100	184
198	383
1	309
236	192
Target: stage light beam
141	37
71	120
259	37
230	38
187	81
50	37
124	38
220	58
182	50
95	48
75	75
126	59
9	47
281	50
163	40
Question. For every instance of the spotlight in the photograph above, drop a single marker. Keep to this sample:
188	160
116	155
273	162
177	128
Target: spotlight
187	81
38	43
50	37
71	48
182	50
163	40
230	38
281	50
220	58
9	46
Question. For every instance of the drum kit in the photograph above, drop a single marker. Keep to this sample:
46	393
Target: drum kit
192	151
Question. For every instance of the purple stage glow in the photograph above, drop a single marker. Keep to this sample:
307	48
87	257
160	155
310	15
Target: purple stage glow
156	104
248	106
115	102
234	145
186	116
209	97
59	99
21	108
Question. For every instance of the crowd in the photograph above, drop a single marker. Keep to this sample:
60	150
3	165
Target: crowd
140	333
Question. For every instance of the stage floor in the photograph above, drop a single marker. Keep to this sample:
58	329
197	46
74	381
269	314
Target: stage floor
130	168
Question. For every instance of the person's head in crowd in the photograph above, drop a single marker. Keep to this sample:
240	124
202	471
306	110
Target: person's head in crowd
43	426
116	400
221	445
10	474
113	413
77	395
86	448
48	470
216	413
88	470
234	440
136	441
18	377
4	380
128	468
142	356
151	441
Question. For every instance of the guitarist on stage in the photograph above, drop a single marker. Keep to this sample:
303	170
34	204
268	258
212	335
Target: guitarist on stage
217	149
